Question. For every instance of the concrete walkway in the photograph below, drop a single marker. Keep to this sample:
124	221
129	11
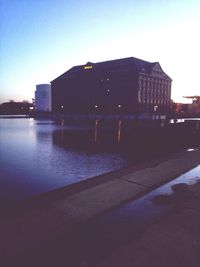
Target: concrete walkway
22	232
173	241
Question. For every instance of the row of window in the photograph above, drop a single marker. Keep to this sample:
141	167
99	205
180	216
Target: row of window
152	92
146	95
153	85
153	79
153	101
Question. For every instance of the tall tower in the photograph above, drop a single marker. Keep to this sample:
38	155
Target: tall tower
43	97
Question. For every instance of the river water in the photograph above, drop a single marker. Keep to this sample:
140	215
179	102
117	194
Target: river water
37	156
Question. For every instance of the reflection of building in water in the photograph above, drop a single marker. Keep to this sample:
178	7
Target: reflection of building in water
128	85
43	97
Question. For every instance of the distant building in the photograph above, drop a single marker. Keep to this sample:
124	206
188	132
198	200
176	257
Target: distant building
128	85
190	109
194	108
43	97
180	108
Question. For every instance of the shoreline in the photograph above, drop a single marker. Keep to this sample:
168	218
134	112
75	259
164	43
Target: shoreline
50	217
140	149
75	188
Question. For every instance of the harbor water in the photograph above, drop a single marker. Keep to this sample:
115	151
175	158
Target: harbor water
37	156
35	159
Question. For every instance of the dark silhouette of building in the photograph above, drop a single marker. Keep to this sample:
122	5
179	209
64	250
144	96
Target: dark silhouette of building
128	85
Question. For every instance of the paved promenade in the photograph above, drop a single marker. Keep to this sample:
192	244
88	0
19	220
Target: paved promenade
173	241
37	224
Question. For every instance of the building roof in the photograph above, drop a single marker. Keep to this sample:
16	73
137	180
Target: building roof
125	64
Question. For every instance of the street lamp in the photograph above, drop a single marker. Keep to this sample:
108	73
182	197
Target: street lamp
155	108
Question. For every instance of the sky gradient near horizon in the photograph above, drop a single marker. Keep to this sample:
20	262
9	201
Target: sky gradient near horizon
41	39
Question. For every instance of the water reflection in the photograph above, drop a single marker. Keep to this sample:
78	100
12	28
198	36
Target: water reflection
96	130
40	155
119	131
92	139
181	194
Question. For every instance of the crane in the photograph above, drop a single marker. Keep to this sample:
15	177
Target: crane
194	97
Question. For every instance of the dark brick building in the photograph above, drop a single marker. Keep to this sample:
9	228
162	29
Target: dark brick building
128	85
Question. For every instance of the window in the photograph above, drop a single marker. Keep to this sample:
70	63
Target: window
87	67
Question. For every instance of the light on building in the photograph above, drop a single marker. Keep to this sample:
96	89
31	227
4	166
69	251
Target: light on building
155	108
62	107
87	67
95	106
119	106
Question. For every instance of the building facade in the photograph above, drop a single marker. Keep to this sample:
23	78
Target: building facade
128	85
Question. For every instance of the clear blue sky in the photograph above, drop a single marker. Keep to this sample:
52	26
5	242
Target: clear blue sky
41	39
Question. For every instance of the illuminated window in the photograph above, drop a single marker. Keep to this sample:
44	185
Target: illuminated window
87	67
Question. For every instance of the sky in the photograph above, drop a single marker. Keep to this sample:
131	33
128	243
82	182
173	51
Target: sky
41	39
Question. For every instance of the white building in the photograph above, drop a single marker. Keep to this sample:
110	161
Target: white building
43	97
